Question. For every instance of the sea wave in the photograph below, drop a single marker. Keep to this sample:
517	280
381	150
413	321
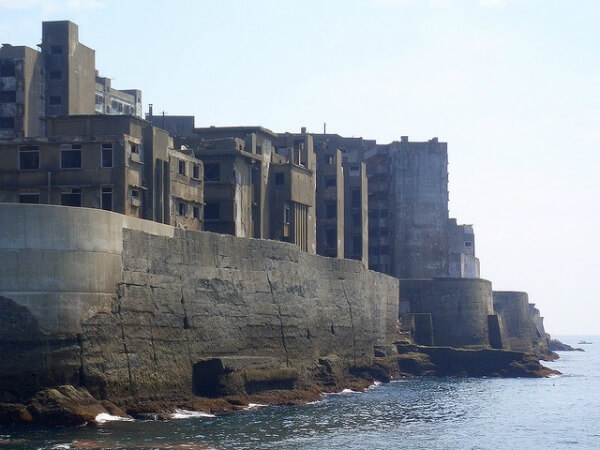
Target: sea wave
186	414
105	417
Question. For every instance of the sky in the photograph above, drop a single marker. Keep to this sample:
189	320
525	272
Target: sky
512	86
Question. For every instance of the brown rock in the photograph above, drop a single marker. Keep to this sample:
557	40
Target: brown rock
65	405
14	413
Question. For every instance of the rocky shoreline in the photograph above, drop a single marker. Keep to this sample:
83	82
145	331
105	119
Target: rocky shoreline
74	406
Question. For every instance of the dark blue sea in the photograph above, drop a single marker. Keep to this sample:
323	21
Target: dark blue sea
418	413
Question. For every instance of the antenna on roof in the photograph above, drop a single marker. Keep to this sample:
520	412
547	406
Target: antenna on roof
324	127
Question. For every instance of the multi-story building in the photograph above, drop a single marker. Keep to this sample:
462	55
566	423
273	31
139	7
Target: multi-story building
116	163
114	102
257	183
354	194
58	80
330	202
408	208
462	260
22	89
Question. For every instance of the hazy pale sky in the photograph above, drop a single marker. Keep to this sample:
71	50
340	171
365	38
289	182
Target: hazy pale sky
513	86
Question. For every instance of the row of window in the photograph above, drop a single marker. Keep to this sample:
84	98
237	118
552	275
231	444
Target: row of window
183	207
182	169
72	197
70	157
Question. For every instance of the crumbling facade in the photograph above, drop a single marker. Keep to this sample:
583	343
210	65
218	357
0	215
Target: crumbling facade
462	262
115	163
59	80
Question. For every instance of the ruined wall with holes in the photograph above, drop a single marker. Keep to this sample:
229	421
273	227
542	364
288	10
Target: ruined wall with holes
178	297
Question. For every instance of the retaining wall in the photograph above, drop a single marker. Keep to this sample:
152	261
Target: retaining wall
127	307
459	308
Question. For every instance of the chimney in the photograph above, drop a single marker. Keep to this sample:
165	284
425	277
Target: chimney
303	130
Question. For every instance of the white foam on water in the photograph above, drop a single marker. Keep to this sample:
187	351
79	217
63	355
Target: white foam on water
105	417
344	392
60	446
186	414
374	385
255	405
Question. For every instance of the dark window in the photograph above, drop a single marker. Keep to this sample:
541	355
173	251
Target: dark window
286	213
29	198
70	158
196	211
373	232
135	193
99	99
468	244
330	237
55	74
279	179
7	69
29	158
56	49
330	210
8	96
181	167
212	172
7	123
384	213
107	155
356	220
356	198
211	211
384	250
135	149
357	244
330	182
354	170
72	198
373	214
56	100
106	200
182	208
196	171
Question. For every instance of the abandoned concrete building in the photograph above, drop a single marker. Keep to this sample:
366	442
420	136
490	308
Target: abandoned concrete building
462	260
257	183
354	194
59	80
116	163
408	208
330	202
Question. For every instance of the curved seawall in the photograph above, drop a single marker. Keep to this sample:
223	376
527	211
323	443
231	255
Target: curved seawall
127	307
459	308
513	307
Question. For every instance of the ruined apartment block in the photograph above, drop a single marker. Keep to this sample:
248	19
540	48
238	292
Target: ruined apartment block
408	208
330	202
59	80
462	260
354	194
257	183
116	163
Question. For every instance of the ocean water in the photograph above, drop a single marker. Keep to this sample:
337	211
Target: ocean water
419	413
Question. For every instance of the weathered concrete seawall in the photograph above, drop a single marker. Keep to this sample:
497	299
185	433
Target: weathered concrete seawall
460	308
127	307
513	307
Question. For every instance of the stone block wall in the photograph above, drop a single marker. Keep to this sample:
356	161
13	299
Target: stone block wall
169	299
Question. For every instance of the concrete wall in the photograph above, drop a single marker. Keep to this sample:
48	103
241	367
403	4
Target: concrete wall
513	307
127	307
459	308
